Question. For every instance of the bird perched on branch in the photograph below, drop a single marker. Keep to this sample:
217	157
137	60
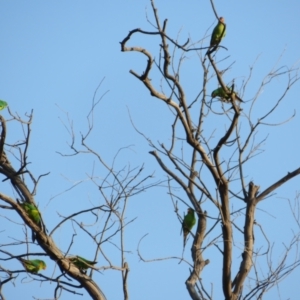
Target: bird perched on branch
33	265
32	212
218	33
188	222
224	96
81	263
3	104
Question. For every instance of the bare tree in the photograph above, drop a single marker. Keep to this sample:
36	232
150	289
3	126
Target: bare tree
108	219
210	164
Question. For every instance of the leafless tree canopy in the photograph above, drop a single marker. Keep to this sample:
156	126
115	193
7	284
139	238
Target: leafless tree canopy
209	165
115	188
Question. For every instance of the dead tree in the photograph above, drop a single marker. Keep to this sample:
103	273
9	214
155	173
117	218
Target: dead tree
209	164
115	189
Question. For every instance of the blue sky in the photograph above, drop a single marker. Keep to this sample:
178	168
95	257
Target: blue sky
53	56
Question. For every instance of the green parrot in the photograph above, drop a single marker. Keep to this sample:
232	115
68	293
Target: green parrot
34	265
81	263
188	222
218	33
224	97
3	104
32	212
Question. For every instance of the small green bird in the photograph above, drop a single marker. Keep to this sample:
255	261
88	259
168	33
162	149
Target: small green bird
218	33
224	97
188	222
81	263
32	212
33	265
3	104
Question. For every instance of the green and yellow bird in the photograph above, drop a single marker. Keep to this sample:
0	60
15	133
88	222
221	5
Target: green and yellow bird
223	96
33	265
81	263
3	104
218	33
32	212
188	222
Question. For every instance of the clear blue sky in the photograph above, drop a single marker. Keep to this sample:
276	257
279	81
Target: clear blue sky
53	56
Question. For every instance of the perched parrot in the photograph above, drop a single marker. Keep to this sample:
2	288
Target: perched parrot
188	222
218	33
32	212
3	104
81	263
34	265
224	97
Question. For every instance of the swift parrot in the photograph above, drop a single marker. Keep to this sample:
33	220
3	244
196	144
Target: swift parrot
188	222
32	212
224	97
218	33
81	263
33	265
3	104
